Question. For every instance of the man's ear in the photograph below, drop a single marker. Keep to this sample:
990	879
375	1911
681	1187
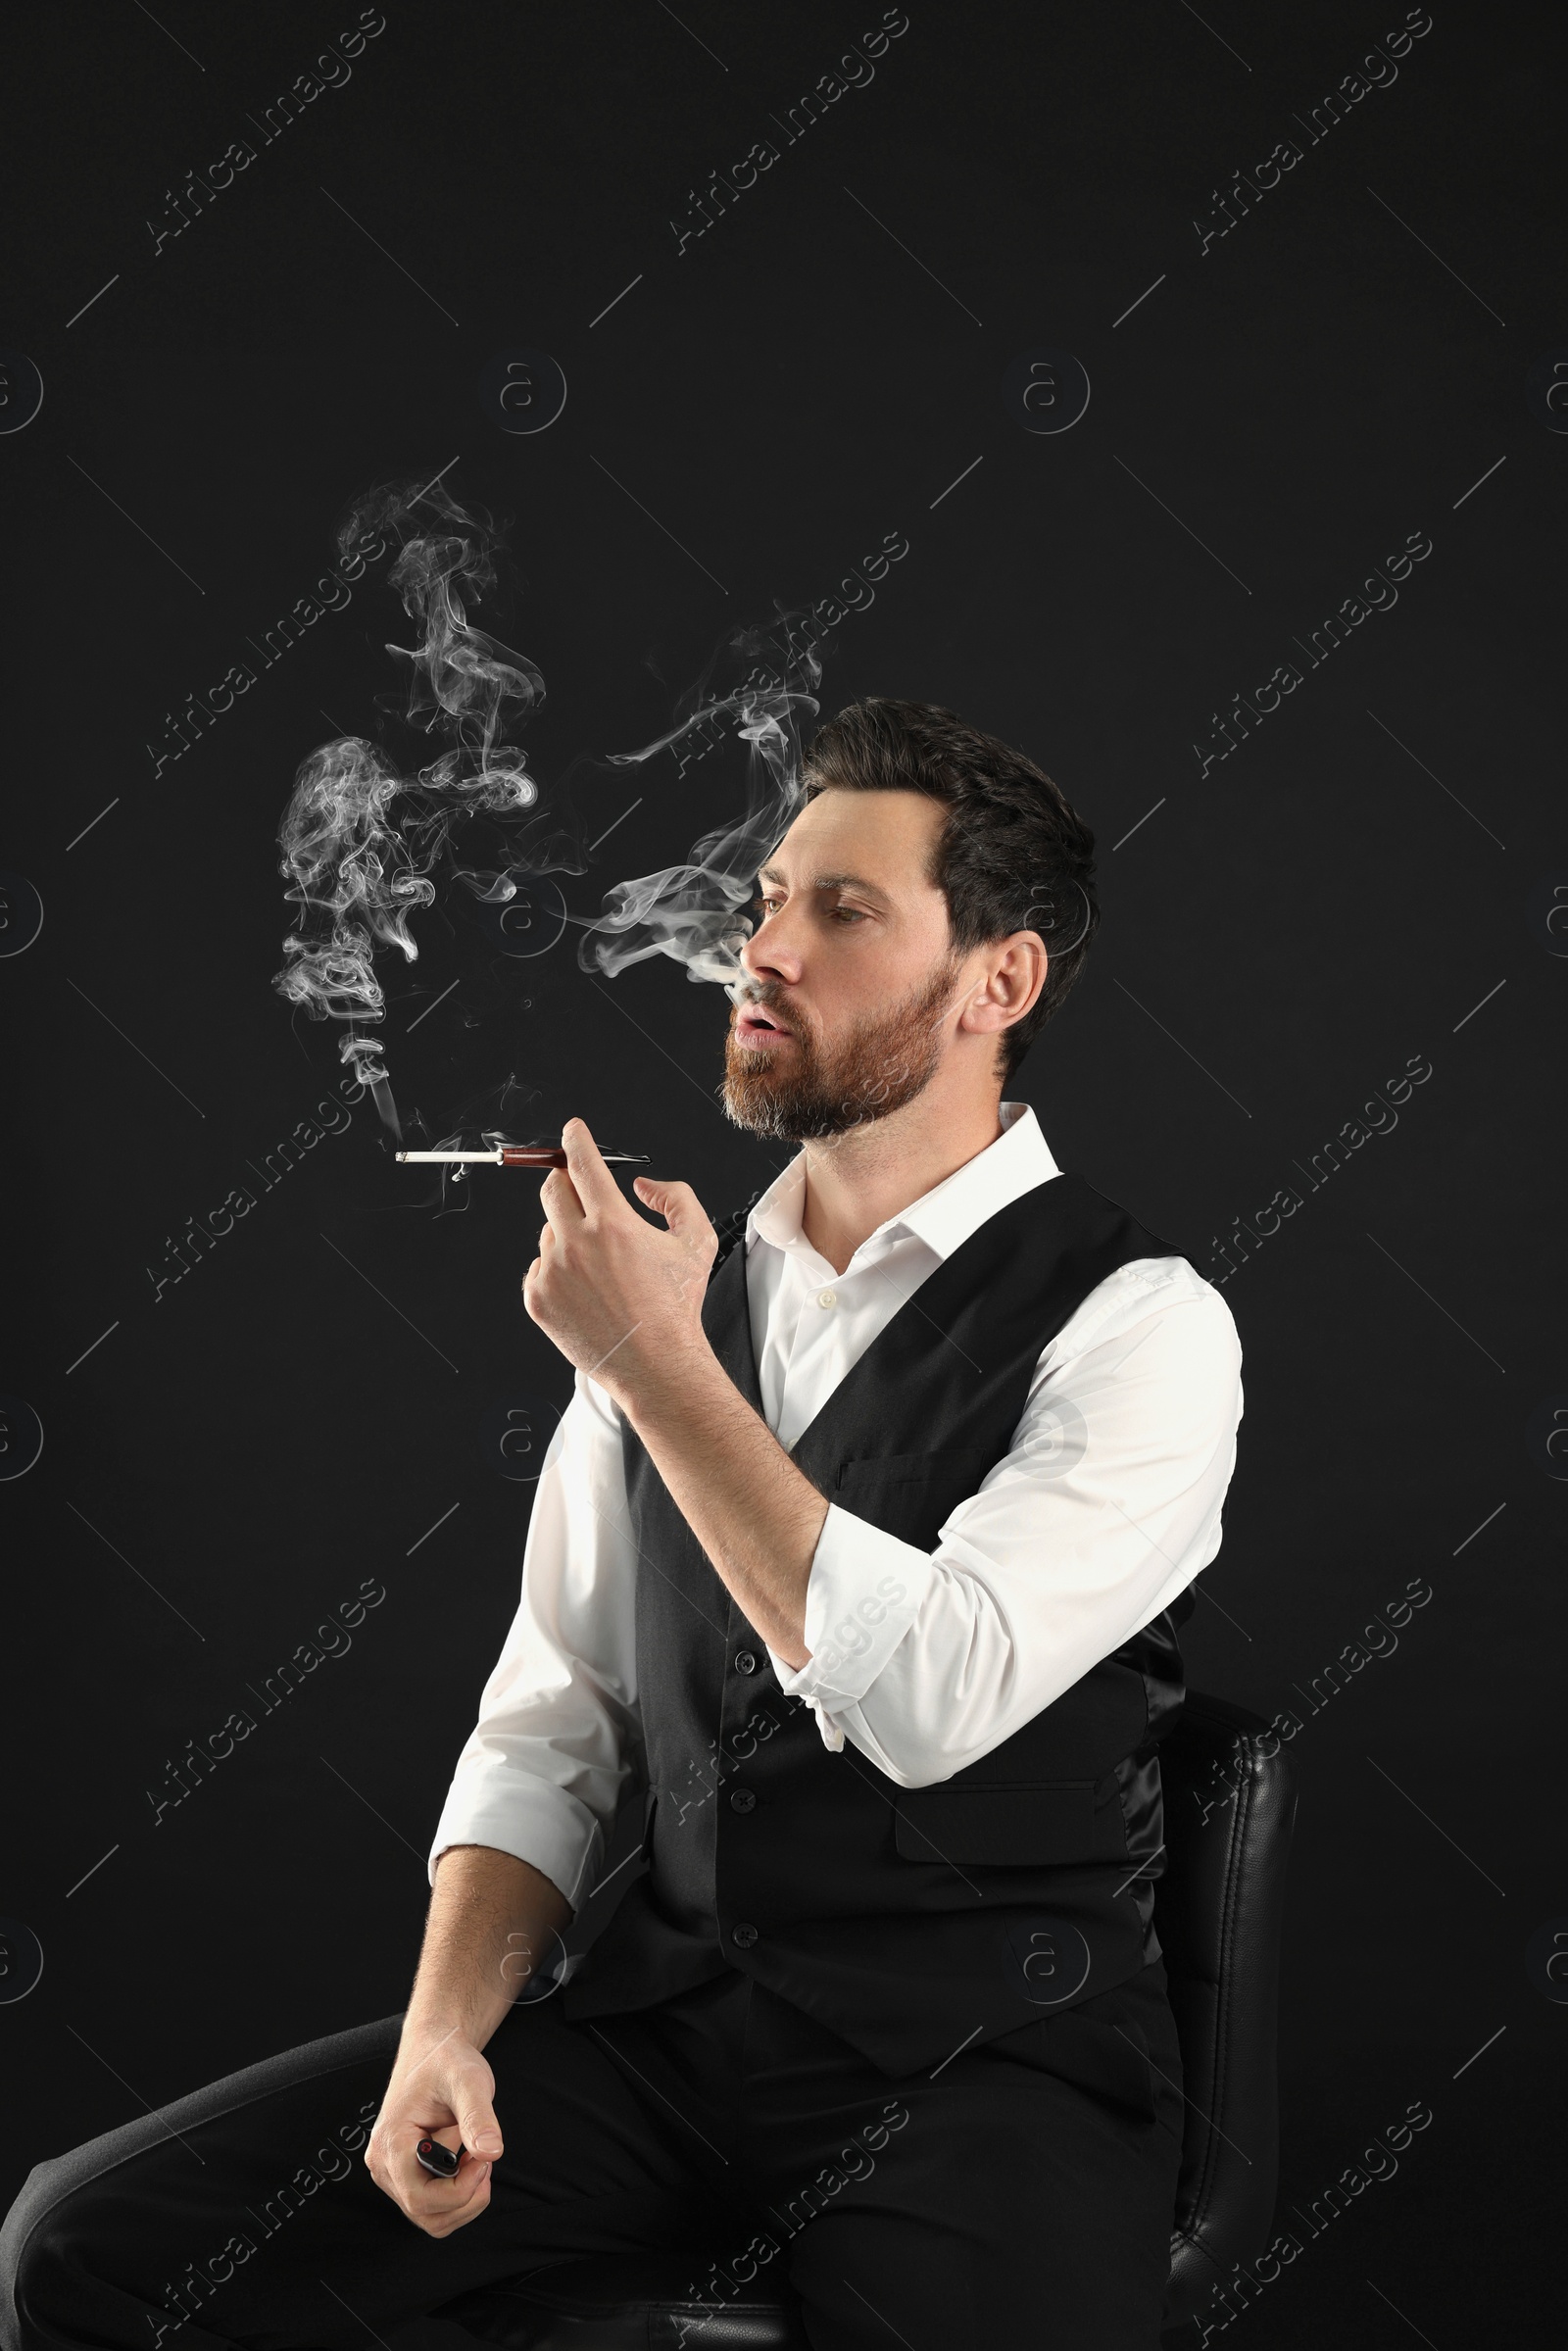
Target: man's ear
1010	985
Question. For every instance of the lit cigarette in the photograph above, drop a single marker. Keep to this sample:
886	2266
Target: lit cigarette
518	1155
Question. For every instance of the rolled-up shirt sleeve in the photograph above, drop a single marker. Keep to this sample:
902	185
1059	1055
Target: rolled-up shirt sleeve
1105	1506
558	1733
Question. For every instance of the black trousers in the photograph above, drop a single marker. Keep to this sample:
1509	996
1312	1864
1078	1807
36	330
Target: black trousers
1019	2192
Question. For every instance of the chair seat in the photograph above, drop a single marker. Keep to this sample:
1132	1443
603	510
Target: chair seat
627	2302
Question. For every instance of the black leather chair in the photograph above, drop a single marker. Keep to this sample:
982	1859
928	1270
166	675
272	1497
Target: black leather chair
1230	1806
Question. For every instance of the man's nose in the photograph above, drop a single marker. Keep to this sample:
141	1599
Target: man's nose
767	954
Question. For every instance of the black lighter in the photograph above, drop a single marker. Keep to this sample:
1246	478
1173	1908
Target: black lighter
442	2161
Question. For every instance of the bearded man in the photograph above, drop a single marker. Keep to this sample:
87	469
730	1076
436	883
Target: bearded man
858	1562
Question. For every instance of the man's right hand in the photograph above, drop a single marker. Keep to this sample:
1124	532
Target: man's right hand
445	2095
489	1913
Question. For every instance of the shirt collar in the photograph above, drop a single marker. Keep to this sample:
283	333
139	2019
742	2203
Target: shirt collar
942	1218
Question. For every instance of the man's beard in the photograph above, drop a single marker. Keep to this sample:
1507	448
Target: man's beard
886	1060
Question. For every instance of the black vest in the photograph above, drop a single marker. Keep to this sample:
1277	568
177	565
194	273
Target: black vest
909	1921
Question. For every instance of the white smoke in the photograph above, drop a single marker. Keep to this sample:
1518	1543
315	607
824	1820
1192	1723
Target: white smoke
691	911
359	838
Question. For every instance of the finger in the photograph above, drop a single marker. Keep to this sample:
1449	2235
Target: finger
677	1204
417	2183
558	1198
477	2133
473	2204
595	1183
480	2131
469	2177
447	2222
440	2205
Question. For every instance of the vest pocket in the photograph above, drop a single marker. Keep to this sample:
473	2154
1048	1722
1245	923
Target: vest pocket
912	1469
1048	1821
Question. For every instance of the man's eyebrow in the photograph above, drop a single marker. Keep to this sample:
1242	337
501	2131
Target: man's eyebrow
829	881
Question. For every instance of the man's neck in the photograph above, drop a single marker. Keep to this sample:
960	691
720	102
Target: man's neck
855	1182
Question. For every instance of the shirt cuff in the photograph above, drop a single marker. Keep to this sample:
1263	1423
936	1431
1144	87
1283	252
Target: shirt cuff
532	1819
864	1591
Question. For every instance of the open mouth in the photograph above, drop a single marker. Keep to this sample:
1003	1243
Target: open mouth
754	1026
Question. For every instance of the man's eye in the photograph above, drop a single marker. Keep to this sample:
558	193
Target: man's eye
847	914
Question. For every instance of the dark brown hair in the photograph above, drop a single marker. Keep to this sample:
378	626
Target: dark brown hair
1012	855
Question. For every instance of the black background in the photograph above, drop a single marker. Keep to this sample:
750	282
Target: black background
1280	413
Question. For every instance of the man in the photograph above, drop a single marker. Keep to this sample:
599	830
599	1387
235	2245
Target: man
858	1554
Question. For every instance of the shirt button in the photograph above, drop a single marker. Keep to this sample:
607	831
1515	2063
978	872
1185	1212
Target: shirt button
745	1662
743	1800
827	1297
743	1935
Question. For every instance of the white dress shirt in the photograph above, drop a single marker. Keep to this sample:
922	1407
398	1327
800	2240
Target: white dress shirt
1103	1511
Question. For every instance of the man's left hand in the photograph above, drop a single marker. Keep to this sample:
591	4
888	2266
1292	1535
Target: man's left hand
622	1299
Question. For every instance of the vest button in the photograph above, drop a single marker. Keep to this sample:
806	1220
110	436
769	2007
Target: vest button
743	1800
743	1935
745	1662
